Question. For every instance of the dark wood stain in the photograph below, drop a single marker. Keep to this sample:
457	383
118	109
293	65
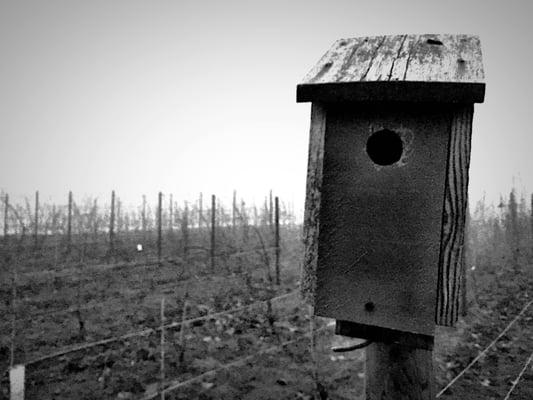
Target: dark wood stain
380	226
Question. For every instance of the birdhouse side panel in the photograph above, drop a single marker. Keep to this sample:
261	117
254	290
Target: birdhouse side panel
454	218
312	201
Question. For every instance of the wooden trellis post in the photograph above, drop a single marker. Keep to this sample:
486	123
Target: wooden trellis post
387	182
185	231
276	239
6	217
159	227
162	345
531	222
112	225
69	223
170	214
270	210
213	235
143	219
36	220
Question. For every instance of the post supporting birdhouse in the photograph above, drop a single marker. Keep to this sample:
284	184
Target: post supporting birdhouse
387	184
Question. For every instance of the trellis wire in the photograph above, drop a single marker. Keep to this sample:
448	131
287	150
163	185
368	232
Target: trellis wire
515	382
153	330
178	384
107	267
481	354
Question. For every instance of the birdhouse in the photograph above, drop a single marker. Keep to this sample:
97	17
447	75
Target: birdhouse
387	179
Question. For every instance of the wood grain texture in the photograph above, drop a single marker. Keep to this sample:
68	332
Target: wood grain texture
444	68
313	201
454	215
396	372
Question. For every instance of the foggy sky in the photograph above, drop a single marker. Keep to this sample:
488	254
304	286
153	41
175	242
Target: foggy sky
190	96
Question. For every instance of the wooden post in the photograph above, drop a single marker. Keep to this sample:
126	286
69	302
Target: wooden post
6	216
276	239
162	365
16	382
69	222
213	221
143	219
185	231
270	210
159	226
13	312
112	225
182	338
512	229
36	221
398	372
170	214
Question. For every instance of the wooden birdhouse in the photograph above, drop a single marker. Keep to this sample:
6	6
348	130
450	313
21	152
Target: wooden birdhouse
387	179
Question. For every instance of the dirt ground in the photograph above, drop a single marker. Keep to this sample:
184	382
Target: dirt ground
259	353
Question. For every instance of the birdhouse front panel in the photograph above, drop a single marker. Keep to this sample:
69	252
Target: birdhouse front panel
381	211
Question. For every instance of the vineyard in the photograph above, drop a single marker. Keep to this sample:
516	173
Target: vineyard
197	299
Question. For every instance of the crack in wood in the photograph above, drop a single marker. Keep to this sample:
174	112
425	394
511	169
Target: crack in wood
373	57
397	57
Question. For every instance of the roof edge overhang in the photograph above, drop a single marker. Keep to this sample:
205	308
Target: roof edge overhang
392	91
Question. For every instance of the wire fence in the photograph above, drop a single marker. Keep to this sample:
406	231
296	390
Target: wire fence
173	385
485	350
148	331
521	373
107	268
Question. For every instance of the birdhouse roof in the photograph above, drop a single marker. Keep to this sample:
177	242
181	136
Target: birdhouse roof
418	68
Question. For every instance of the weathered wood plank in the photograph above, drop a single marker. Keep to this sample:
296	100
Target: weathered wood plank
399	69
382	63
451	62
454	215
396	372
313	201
445	58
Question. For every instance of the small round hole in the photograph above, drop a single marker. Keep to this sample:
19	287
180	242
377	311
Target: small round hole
369	306
384	147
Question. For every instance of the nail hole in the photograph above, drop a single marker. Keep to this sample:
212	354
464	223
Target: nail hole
369	306
384	147
460	60
434	42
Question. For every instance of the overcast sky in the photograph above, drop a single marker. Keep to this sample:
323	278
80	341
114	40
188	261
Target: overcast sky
190	96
